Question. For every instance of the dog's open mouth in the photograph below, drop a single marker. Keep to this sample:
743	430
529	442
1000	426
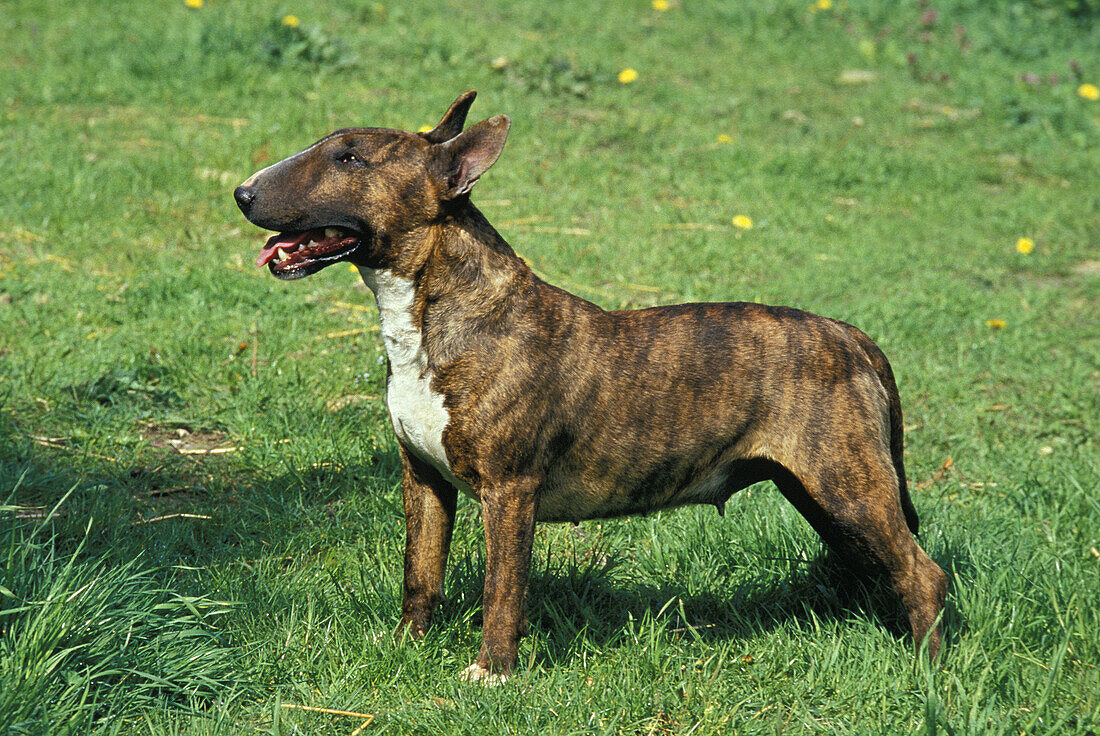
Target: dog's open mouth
294	255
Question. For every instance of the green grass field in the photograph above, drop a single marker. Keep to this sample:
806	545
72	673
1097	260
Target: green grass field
201	519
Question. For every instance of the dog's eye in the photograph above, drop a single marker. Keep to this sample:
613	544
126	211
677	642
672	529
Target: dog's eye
348	158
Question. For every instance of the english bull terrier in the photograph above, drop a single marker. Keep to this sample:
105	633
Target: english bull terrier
541	406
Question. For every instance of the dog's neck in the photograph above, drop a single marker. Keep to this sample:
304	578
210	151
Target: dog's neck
467	255
451	279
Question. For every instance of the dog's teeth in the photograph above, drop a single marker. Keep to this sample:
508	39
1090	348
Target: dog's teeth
281	254
331	232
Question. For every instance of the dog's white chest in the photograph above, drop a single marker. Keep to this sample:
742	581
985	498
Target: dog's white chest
417	411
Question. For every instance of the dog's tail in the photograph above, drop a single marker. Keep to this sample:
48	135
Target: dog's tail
897	428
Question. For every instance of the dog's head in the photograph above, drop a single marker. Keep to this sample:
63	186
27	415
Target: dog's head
356	191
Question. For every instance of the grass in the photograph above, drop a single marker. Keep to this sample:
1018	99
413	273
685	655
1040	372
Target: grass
201	518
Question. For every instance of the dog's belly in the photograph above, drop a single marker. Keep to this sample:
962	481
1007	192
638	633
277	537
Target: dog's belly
574	499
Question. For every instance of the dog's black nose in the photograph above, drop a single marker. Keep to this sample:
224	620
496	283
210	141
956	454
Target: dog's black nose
244	196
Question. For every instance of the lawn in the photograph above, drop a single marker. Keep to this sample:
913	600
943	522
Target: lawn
200	508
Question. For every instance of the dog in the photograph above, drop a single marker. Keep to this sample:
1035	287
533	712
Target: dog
541	406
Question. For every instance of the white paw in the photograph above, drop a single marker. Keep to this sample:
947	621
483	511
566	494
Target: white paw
477	673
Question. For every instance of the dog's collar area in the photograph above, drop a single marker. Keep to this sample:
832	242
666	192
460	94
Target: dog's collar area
292	255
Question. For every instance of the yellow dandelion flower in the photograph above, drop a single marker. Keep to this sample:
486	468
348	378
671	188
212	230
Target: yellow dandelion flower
196	4
742	222
291	21
661	5
723	138
821	5
1089	92
424	128
996	324
1025	245
628	75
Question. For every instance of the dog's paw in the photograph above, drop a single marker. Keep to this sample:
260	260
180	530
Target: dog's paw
477	673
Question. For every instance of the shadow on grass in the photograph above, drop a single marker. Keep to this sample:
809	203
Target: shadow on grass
586	602
817	589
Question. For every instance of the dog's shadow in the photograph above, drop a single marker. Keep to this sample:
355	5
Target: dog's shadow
587	603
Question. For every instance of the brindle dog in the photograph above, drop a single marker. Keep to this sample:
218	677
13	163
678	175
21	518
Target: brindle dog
543	407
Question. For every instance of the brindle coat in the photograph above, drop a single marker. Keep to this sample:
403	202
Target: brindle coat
552	409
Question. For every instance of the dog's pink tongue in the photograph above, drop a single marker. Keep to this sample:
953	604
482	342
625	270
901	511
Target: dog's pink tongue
290	241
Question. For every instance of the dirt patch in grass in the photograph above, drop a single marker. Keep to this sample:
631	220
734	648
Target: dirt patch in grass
186	442
182	468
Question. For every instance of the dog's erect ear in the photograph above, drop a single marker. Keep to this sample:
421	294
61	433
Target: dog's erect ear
453	120
464	158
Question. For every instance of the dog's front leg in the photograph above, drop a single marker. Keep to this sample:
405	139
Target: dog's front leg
508	514
429	502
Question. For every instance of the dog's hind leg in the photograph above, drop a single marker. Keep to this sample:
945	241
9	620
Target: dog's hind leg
856	509
430	503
